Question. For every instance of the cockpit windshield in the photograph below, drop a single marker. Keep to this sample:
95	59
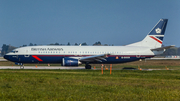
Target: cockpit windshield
14	51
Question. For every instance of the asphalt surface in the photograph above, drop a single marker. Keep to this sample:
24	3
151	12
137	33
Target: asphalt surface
39	67
68	68
1	59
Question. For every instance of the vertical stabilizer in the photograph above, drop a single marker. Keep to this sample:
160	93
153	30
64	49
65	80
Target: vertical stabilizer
155	37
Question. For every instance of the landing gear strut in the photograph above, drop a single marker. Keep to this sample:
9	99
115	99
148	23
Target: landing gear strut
22	66
88	66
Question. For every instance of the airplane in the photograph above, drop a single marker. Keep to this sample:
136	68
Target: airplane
149	47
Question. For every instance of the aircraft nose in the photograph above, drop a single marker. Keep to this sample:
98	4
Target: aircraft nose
6	57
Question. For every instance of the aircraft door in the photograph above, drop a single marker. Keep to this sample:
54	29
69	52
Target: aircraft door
27	54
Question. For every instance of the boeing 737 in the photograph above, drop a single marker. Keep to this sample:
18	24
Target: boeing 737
149	47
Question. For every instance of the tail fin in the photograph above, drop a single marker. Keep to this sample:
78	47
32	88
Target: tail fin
155	37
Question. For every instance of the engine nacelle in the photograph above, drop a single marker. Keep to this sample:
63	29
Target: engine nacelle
70	62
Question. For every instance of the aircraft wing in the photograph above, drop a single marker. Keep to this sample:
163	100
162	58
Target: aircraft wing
94	58
162	48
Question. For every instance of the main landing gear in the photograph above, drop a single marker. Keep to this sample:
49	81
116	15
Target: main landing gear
88	66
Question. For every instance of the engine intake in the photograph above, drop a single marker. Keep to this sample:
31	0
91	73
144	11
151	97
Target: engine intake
70	62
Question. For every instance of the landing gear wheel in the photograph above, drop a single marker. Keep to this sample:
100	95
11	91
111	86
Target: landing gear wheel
88	67
22	67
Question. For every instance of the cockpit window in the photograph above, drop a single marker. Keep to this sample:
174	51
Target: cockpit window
14	51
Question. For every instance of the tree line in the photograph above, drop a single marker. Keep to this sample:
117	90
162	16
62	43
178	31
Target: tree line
8	48
68	44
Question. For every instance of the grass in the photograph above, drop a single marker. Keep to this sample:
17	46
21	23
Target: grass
89	85
152	64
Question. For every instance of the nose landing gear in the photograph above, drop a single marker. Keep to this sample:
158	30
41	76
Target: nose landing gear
21	65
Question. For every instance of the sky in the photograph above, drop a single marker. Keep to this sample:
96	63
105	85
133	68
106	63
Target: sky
118	22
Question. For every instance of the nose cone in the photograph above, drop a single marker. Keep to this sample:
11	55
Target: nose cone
6	57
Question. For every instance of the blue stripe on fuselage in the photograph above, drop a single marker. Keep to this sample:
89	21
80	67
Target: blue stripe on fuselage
58	58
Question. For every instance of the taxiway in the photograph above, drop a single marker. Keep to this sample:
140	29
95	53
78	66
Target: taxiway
39	67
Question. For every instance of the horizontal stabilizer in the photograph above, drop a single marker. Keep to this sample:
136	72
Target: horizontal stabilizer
162	48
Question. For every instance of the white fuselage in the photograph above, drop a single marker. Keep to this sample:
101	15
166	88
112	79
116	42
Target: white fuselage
55	54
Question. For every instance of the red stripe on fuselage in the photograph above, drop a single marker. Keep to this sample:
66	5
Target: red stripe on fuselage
156	39
37	58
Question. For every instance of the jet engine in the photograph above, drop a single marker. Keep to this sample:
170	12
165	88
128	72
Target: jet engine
70	62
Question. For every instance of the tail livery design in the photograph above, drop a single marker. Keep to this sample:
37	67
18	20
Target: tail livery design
155	37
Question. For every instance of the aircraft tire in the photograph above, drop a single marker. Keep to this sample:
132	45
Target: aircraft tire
22	67
88	67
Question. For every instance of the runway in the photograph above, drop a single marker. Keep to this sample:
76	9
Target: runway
1	59
40	67
68	68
